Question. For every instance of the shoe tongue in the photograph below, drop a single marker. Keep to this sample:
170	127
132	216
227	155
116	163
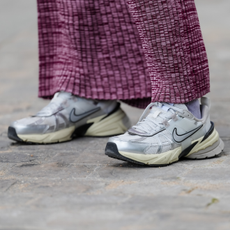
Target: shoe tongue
60	96
181	106
155	114
162	108
55	104
166	108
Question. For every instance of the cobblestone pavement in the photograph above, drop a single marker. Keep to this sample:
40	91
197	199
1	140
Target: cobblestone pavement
74	185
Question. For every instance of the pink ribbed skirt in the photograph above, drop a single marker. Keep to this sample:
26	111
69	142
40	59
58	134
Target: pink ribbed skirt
129	50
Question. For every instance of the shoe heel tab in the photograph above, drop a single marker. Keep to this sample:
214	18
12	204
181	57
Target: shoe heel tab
206	101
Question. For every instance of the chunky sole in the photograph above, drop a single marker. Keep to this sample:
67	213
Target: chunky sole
106	125
207	149
116	123
204	147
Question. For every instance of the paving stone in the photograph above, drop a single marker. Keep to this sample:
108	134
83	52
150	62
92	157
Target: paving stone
73	185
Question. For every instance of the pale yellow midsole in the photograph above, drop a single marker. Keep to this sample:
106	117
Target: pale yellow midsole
214	137
109	126
59	136
162	158
172	155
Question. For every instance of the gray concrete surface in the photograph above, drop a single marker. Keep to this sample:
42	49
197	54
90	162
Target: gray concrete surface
74	185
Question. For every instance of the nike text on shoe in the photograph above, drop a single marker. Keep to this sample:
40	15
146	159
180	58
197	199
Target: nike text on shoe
166	134
68	116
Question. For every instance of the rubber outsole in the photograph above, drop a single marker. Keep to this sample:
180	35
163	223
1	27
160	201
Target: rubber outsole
12	134
205	147
208	152
111	150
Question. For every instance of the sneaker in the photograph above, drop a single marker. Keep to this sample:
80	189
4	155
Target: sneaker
165	135
68	116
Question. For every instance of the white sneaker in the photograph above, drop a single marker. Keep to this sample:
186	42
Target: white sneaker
67	116
168	133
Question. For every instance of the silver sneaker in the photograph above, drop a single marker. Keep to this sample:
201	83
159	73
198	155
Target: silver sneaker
168	133
68	116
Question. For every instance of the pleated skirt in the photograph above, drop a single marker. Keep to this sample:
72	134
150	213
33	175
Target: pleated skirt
134	51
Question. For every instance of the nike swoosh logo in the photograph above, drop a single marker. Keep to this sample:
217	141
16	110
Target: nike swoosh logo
181	137
77	117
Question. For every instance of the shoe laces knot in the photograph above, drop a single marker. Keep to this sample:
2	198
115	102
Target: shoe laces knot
157	119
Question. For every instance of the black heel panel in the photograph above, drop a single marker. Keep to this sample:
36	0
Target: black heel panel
209	132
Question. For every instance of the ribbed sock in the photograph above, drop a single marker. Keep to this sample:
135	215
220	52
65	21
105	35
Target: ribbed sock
194	108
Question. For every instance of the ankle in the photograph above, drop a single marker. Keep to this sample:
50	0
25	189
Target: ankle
194	108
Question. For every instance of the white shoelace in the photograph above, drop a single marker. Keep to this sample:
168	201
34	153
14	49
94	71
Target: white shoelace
157	117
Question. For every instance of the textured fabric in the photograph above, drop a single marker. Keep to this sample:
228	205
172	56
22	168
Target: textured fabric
173	47
92	49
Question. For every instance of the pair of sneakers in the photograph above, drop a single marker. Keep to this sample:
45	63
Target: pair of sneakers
164	134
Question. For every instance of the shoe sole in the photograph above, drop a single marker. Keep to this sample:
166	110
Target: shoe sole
106	125
199	149
208	152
